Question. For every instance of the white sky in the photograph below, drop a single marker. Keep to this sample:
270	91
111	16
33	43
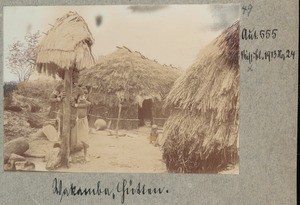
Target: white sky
171	35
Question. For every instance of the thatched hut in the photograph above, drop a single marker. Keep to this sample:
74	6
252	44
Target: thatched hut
65	50
140	83
66	45
202	133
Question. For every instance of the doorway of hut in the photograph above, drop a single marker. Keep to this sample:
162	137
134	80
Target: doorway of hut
145	113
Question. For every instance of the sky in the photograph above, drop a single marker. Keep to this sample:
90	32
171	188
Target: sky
171	34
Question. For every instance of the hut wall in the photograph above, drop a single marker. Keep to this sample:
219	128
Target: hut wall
129	117
97	112
160	114
128	120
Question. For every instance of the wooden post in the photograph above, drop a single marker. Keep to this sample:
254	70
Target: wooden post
121	97
119	115
152	112
66	118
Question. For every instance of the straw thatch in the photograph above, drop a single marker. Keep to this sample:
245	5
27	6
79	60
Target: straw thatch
201	134
131	71
67	44
128	75
64	51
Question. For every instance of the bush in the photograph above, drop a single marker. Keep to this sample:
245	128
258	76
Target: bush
9	87
15	125
40	89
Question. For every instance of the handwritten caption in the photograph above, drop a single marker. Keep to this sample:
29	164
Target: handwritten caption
120	190
253	34
247	9
265	34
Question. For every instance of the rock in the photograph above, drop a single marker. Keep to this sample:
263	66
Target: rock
52	122
14	108
51	133
14	157
100	124
26	107
8	167
5	122
35	108
39	134
24	166
35	121
17	146
52	158
18	163
77	148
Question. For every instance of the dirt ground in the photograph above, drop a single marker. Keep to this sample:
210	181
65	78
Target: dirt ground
130	153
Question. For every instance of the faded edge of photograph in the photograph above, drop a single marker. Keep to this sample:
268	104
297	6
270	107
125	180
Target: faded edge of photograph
85	93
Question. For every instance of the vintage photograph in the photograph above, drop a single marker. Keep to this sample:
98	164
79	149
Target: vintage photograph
122	88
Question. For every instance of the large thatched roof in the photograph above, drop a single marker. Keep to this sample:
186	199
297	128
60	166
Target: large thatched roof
67	44
203	129
127	70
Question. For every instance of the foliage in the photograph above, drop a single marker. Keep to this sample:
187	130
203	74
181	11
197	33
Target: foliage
9	87
15	125
25	95
39	89
22	56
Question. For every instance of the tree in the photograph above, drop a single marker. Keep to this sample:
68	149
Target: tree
21	58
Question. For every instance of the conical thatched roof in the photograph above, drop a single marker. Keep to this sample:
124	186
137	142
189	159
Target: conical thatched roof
203	131
67	44
127	70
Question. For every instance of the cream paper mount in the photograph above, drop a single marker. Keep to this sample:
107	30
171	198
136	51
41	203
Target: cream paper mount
191	102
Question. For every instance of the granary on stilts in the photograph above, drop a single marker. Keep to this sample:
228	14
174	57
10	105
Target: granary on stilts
127	85
64	51
201	135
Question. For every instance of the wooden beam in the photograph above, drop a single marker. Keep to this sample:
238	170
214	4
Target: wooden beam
65	149
119	116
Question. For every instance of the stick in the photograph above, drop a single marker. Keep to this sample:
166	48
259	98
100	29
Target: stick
34	155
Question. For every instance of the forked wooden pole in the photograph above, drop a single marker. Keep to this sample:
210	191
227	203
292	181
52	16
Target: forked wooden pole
66	118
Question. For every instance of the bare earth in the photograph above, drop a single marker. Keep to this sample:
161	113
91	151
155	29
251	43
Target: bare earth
129	153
